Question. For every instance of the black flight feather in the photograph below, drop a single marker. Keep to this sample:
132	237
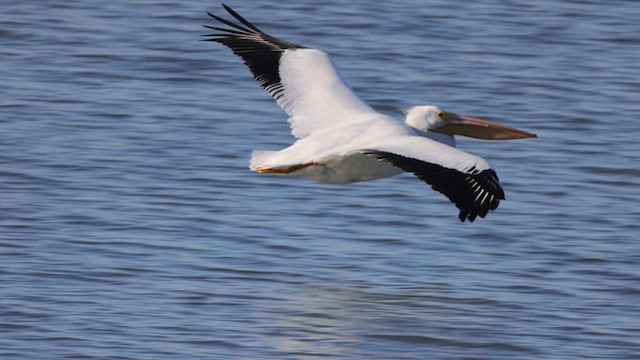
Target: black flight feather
261	52
473	192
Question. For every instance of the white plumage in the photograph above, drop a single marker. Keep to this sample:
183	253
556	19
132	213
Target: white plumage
341	139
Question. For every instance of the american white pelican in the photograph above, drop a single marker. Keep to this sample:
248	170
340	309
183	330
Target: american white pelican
342	140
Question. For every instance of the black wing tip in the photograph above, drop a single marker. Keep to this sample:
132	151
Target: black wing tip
244	31
472	215
216	17
249	29
470	208
240	18
471	203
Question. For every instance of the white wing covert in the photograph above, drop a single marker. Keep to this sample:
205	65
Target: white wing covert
304	82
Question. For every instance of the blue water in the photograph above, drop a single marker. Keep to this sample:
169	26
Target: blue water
131	228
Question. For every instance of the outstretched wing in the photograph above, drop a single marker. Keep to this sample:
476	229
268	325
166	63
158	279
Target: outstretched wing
304	82
466	180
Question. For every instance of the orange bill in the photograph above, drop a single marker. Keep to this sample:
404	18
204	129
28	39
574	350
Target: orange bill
481	129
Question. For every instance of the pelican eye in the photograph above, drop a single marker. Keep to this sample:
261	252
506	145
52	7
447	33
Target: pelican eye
443	115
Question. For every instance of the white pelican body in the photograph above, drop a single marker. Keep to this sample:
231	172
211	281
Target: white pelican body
341	139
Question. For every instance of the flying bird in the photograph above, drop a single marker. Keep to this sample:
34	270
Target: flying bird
341	139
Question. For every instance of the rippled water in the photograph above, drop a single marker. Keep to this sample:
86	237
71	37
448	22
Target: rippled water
131	228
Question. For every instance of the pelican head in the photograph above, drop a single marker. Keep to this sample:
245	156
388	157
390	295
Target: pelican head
427	118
